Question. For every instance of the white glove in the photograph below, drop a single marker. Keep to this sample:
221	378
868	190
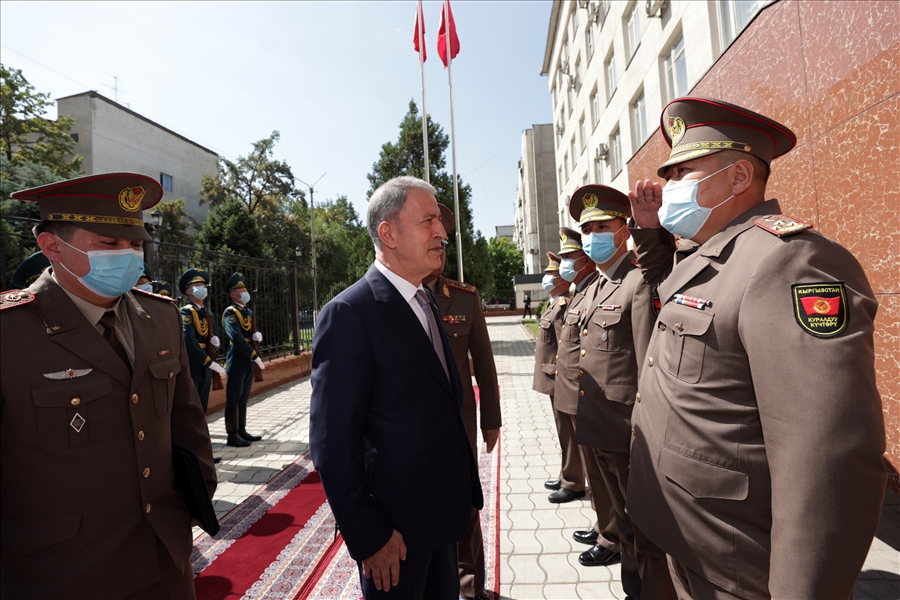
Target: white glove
256	337
259	363
214	340
216	368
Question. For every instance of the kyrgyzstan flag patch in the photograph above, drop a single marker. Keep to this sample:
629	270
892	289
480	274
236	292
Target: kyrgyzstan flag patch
820	308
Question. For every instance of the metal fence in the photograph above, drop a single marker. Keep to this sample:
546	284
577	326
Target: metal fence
282	292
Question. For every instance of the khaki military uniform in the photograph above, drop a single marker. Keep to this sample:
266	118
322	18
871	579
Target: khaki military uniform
758	441
88	489
616	326
566	394
463	319
571	473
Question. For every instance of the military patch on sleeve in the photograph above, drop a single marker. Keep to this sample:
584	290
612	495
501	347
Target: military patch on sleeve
187	319
657	305
781	225
820	308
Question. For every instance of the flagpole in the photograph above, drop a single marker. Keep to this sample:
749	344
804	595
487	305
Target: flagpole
447	36
421	32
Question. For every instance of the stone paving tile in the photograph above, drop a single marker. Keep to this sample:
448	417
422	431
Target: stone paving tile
527	569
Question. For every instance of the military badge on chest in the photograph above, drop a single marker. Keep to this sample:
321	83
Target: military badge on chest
454	319
820	308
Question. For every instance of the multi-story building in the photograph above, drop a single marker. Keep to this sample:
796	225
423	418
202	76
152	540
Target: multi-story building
613	66
537	222
112	137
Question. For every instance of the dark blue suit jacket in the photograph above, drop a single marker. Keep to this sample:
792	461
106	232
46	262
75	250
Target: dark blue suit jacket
386	429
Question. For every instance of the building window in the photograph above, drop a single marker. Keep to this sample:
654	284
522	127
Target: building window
583	132
584	179
566	164
598	171
735	15
572	150
74	137
639	121
570	96
166	181
579	75
676	70
611	77
603	8
595	108
615	153
633	30
589	40
560	177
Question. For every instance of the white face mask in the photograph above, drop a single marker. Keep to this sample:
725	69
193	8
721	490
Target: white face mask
199	292
680	212
245	297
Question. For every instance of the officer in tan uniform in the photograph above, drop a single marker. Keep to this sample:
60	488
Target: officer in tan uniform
95	389
460	308
603	537
618	319
545	347
757	445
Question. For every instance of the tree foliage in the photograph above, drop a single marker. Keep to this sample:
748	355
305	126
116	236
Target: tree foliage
506	263
406	157
342	242
26	135
231	228
175	223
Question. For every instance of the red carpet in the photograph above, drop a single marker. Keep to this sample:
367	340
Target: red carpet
280	542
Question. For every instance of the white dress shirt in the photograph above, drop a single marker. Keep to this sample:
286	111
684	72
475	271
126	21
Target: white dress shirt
407	291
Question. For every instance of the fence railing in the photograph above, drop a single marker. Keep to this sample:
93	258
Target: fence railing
281	292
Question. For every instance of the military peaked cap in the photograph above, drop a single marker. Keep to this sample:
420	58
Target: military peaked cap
552	263
447	218
570	239
598	203
234	282
28	272
190	277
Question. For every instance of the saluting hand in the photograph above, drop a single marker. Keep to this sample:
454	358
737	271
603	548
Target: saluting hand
384	565
490	438
646	200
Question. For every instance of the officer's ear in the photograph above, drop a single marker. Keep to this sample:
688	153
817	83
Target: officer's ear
743	177
50	246
387	233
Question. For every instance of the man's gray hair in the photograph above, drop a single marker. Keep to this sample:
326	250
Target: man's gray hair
388	200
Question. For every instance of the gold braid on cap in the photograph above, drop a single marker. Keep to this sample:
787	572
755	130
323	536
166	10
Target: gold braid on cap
102	220
704	147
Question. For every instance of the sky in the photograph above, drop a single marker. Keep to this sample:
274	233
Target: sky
334	78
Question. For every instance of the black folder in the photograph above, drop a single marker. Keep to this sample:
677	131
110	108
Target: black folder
189	479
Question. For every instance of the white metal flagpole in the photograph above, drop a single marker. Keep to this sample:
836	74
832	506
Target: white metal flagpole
447	31
420	21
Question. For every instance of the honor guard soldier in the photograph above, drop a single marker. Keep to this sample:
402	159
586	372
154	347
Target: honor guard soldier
580	270
616	323
145	281
28	272
545	347
200	334
459	305
95	391
238	323
163	288
757	444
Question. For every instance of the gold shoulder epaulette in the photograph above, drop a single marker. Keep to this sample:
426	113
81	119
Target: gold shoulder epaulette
462	286
11	298
781	225
152	295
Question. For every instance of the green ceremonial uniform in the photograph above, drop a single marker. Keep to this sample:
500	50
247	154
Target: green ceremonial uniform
236	322
196	337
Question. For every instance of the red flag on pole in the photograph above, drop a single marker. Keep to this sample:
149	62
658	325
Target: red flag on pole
417	35
442	40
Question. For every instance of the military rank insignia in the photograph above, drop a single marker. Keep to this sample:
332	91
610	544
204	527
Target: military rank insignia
657	305
820	308
454	319
781	225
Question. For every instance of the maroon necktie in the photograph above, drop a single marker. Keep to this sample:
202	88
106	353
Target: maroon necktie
433	334
108	320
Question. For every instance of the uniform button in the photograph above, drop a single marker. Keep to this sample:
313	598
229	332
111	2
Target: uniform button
556	372
581	394
134	398
603	323
148	508
582	352
171	374
580	373
564	326
140	436
146	472
557	357
559	342
455	335
679	326
633	434
148	316
650	361
584	332
662	326
638	396
75	401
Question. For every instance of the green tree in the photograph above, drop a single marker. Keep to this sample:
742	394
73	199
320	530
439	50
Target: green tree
342	242
406	157
26	135
506	262
175	223
230	228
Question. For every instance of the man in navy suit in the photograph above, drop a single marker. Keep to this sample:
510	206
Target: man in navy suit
386	429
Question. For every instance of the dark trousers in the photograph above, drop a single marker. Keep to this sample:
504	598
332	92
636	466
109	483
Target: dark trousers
601	502
571	475
425	574
471	546
645	573
203	386
237	387
173	584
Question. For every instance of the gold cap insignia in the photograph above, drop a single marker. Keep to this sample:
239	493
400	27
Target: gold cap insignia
676	129
131	197
590	201
563	237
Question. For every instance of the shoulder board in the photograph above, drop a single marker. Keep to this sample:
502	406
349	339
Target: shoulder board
189	308
462	286
11	298
781	225
228	308
152	295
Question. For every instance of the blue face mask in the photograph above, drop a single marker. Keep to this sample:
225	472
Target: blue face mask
567	269
199	292
145	287
680	212
547	282
245	297
113	272
600	247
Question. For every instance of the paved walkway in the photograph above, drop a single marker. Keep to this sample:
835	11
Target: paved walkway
538	558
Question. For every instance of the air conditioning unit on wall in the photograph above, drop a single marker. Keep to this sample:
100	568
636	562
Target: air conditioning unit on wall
602	152
655	8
